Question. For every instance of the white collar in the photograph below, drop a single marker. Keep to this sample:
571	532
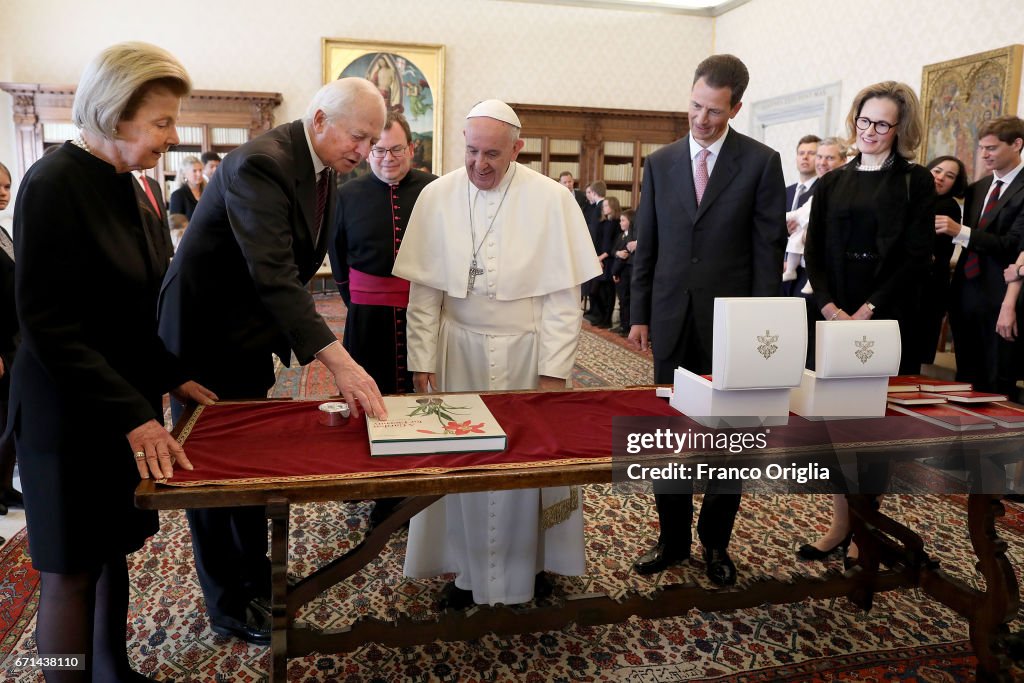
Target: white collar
1009	177
509	174
317	164
715	147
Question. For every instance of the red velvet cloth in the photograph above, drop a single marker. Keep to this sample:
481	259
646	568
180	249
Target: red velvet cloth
274	441
278	441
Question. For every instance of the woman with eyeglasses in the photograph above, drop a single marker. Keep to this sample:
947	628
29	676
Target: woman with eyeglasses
869	239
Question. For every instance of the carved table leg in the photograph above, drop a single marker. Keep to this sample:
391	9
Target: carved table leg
277	512
999	603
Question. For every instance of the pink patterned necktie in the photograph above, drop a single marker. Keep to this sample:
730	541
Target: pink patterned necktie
700	178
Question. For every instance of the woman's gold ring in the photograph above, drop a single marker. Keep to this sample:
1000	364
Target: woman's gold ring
140	455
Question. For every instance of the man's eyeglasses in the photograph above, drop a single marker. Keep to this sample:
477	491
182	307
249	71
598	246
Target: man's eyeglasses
881	127
398	151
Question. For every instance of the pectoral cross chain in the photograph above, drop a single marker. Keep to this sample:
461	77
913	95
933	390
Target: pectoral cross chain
473	272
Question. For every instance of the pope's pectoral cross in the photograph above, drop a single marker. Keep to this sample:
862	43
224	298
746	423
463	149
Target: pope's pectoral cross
473	272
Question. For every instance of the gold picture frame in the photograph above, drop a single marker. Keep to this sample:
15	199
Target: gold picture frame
411	78
959	95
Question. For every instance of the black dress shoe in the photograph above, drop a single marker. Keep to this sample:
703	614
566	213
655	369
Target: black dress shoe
542	586
12	498
659	558
382	509
453	597
255	628
809	552
720	569
850	562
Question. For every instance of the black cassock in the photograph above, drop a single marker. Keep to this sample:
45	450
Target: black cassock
368	228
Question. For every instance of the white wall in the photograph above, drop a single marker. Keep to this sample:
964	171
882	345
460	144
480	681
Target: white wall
518	52
521	52
792	45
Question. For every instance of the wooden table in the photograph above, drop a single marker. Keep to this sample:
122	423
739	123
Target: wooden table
881	539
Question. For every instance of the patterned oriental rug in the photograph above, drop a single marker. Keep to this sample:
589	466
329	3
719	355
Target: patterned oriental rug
903	638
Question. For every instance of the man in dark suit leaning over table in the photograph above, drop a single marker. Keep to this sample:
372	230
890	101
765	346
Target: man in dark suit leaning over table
711	223
236	294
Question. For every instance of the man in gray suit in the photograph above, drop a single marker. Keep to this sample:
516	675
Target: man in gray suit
711	223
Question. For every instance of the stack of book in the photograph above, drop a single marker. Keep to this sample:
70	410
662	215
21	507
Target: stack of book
951	405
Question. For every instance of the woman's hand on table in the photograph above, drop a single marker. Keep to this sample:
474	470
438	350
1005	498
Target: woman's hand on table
194	392
156	451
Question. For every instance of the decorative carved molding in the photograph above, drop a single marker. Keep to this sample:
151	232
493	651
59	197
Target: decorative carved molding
36	104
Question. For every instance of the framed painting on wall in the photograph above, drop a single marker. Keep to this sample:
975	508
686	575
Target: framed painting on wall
411	79
958	96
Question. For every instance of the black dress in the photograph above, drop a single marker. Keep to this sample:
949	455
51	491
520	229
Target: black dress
183	201
368	228
90	367
869	239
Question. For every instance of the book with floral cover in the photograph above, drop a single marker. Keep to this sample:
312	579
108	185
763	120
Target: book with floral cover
443	423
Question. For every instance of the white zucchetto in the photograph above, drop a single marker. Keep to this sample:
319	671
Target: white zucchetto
495	109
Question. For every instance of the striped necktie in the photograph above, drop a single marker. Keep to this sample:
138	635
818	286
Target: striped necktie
972	266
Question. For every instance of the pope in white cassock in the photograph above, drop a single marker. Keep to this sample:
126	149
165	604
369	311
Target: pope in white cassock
495	254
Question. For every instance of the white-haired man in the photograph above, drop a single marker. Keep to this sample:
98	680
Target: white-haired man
236	294
495	254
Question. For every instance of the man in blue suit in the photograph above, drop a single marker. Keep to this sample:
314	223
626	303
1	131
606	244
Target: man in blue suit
711	223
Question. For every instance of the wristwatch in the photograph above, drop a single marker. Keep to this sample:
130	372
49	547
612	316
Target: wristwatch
1019	276
871	306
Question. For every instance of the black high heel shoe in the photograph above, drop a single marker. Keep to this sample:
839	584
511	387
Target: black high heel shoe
809	552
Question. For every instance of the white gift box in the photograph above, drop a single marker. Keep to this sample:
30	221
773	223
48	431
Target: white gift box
760	344
853	361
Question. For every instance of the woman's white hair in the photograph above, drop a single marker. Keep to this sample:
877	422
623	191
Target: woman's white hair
338	98
118	79
186	166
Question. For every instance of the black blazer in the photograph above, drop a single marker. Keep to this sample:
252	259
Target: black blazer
183	201
732	245
8	319
998	244
86	287
581	199
622	267
155	218
237	284
905	216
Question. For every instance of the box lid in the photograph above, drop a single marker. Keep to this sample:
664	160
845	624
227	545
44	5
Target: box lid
759	342
857	348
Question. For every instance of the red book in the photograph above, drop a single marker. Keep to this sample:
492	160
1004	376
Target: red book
972	397
1003	414
901	383
915	398
932	384
946	416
